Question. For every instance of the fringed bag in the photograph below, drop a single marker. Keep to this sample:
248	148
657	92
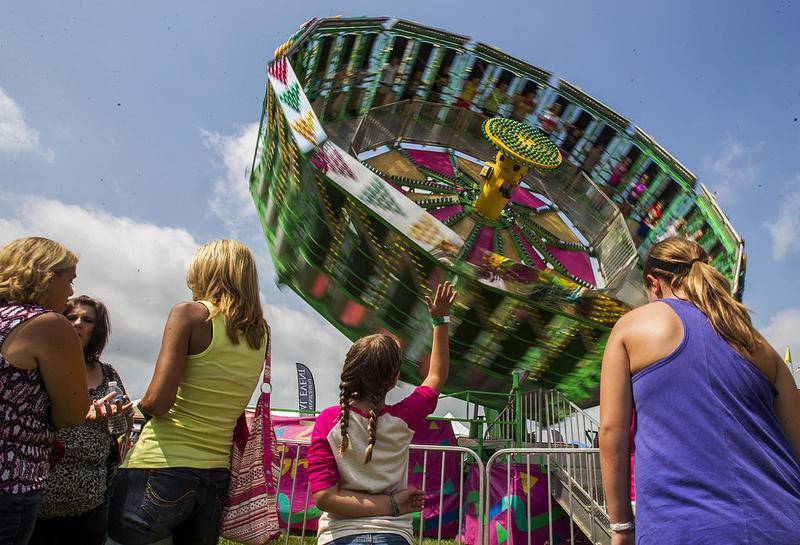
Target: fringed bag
250	512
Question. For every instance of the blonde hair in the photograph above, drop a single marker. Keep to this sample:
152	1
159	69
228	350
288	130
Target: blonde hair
369	370
684	265
27	265
224	272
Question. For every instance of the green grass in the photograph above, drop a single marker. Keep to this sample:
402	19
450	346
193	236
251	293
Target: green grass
293	540
312	540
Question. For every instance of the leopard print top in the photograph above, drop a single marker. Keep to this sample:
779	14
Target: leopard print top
81	479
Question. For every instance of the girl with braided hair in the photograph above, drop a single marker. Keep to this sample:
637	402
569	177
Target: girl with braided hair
358	459
717	431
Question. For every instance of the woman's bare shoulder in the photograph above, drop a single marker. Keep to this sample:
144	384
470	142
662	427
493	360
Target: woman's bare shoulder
189	312
649	333
767	359
46	325
652	321
657	310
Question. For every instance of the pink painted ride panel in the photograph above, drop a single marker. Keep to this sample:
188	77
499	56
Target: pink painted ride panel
576	262
436	161
522	196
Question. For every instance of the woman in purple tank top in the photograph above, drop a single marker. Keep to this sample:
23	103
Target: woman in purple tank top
717	431
42	375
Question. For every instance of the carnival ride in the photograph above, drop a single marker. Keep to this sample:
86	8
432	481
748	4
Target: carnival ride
392	155
371	184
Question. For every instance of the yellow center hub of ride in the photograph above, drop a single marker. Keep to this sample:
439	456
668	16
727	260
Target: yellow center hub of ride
519	147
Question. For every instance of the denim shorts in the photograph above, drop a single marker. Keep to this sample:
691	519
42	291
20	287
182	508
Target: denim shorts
17	517
371	539
152	506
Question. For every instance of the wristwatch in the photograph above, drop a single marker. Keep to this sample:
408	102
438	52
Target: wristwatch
623	526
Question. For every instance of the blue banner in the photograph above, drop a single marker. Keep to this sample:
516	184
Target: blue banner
306	394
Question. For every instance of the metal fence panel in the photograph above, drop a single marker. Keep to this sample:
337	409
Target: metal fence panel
567	479
446	503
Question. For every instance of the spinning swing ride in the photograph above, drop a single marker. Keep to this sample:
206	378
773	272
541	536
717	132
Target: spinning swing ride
392	156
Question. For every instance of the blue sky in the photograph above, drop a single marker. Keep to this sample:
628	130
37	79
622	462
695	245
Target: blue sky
125	129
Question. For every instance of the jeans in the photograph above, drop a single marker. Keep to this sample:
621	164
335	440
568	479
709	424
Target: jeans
150	505
371	539
17	517
89	528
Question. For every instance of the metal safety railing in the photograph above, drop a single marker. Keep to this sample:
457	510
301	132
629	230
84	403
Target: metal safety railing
523	496
546	419
601	221
452	479
574	506
447	126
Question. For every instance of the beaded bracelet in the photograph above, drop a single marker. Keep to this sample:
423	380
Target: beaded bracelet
623	526
395	509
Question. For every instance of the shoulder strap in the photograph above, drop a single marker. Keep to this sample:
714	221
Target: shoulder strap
111	374
208	304
268	359
108	373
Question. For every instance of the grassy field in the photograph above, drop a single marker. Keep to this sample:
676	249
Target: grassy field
312	540
293	540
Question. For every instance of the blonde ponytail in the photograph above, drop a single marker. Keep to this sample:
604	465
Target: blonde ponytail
684	265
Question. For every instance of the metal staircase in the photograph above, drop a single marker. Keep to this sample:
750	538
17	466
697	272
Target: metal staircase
550	420
579	491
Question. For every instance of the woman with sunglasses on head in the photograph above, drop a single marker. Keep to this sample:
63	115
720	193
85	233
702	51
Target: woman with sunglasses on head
74	506
717	432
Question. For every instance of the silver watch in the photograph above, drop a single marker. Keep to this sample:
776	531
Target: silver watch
623	526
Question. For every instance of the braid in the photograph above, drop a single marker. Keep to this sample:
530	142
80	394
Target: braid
344	415
370	368
372	430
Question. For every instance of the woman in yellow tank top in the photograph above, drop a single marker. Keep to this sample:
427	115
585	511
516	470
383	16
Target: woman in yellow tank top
174	480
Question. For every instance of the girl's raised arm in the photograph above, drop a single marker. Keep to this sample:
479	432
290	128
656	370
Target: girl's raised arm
439	309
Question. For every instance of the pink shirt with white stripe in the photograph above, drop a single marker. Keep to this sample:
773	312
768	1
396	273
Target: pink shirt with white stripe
386	472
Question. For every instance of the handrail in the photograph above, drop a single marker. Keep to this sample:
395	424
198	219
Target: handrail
551	412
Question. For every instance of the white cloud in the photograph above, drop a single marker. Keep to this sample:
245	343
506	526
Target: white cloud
231	201
731	169
138	270
784	330
15	134
785	229
305	338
